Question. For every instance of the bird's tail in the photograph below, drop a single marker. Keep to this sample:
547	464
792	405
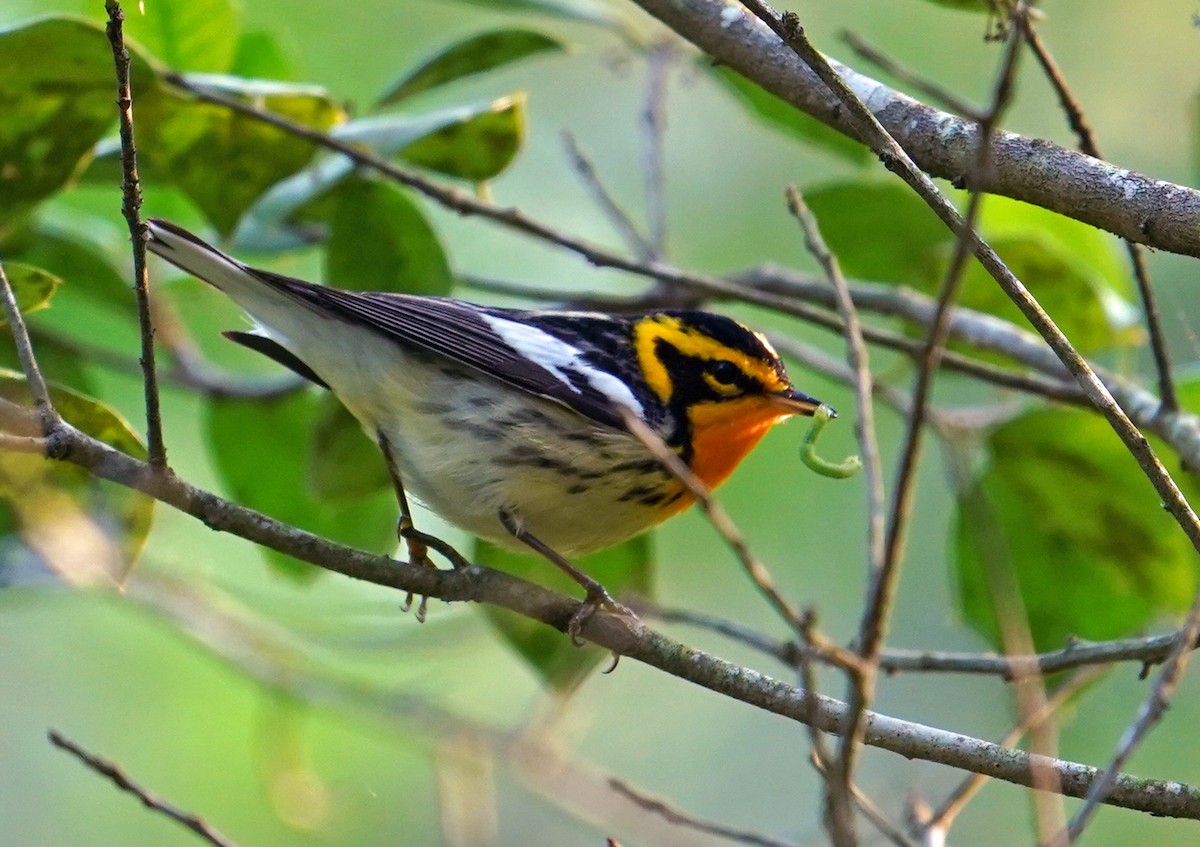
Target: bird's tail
190	253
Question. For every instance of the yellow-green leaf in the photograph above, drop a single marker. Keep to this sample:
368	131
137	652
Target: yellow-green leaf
345	463
32	286
53	111
83	528
476	148
224	160
260	447
784	117
186	35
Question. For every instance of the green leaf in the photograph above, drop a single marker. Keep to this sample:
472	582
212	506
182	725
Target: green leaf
263	55
258	447
883	232
478	147
187	35
224	160
786	118
1059	284
345	464
304	196
1074	270
1064	506
54	110
32	286
62	513
625	569
880	231
474	55
1091	255
380	241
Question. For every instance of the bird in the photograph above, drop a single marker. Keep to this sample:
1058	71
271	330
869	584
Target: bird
511	423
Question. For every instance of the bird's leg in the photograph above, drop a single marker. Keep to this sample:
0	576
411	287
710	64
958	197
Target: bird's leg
415	542
597	594
418	543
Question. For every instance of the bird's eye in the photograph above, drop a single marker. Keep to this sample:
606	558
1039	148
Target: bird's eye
726	372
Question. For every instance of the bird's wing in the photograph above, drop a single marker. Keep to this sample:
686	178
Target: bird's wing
495	342
503	344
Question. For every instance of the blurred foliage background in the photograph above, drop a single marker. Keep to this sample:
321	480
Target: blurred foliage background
292	708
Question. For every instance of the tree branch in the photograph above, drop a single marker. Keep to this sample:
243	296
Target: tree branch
481	584
1136	207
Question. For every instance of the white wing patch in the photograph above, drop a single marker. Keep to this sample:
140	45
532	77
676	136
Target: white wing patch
559	358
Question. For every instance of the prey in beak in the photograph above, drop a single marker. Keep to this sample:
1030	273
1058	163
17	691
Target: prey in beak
798	403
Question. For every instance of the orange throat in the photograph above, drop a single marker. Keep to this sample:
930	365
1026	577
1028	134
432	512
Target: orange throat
723	433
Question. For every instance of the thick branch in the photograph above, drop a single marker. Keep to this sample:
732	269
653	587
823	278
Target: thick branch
1136	207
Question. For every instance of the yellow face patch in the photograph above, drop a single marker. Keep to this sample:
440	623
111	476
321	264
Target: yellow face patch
691	342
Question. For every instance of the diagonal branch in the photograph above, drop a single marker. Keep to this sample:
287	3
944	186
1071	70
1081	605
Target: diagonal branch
1137	255
638	643
117	777
1137	207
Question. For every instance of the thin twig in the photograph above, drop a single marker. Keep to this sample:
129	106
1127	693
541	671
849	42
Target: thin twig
872	812
860	365
47	417
839	783
815	359
114	774
131	207
680	818
1183	434
1146	652
23	443
607	204
1149	714
928	87
884	579
1152	211
189	369
1137	254
654	125
772	288
1012	618
192	369
838	795
1173	499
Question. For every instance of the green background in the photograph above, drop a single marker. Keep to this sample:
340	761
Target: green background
317	755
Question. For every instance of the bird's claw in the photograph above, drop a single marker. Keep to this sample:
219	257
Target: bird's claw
597	598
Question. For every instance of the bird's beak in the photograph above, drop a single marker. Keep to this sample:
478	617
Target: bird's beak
797	402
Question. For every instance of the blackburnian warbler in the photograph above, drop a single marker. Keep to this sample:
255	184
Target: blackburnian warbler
508	423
